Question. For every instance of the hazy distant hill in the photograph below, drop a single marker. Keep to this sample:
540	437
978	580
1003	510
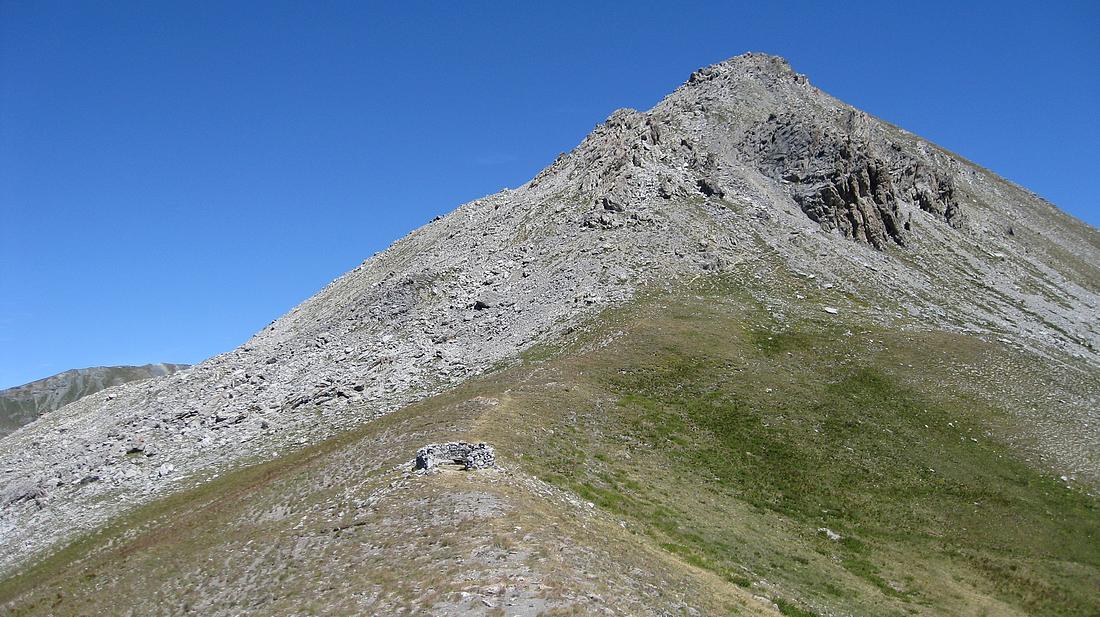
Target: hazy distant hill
22	404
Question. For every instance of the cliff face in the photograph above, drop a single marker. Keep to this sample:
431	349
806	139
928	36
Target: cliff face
22	404
746	164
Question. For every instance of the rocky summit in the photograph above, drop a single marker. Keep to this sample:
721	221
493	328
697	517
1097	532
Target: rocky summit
709	332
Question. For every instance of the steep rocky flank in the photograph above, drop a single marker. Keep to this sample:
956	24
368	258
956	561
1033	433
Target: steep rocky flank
746	164
22	404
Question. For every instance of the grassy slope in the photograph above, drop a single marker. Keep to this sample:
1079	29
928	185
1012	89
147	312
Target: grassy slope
731	439
714	438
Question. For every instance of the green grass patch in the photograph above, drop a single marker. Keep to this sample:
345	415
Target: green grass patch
791	427
793	610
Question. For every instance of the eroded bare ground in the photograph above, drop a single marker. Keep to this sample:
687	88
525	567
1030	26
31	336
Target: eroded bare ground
348	529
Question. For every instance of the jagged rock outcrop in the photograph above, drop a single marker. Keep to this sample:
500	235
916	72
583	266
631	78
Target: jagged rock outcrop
745	159
842	183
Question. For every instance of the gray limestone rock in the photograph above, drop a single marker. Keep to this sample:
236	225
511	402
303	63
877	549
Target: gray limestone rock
471	456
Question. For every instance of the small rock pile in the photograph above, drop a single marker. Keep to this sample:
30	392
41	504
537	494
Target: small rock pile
469	455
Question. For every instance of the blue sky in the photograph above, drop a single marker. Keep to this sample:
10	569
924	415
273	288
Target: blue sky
173	176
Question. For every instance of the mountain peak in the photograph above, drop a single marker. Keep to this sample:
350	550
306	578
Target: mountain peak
744	179
747	64
752	60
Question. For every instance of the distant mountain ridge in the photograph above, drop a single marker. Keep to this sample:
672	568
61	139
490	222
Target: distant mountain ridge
23	404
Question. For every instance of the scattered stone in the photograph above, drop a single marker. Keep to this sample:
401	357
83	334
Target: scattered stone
25	491
611	205
471	456
709	188
487	300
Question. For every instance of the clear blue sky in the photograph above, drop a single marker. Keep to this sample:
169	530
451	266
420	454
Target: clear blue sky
174	175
